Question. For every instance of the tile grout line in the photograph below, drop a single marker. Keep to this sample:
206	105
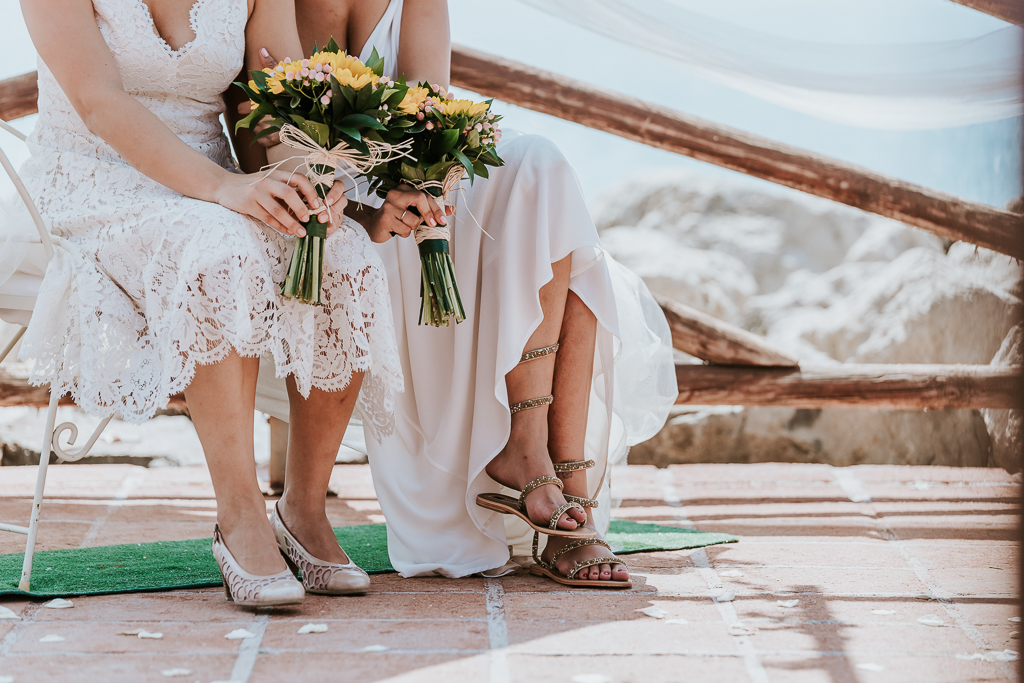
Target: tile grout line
755	669
128	484
14	635
497	630
854	489
249	650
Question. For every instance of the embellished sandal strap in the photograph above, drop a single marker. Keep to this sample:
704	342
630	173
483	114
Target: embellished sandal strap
531	403
590	563
539	353
580	543
536	557
562	509
536	484
585	502
573	465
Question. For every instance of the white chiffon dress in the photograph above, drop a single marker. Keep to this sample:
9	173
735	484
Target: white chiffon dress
453	417
146	284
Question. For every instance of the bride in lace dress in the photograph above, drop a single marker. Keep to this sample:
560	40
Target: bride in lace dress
169	264
550	317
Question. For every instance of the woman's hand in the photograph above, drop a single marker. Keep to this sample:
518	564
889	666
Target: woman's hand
396	218
280	200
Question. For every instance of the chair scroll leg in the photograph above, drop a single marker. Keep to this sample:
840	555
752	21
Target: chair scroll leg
37	501
11	344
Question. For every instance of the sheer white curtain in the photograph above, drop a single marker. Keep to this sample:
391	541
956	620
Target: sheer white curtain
909	86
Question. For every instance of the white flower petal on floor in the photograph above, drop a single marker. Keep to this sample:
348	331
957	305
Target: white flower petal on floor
1015	620
375	648
654	612
867	666
172	673
676	621
931	620
590	678
59	603
787	603
723	595
240	634
731	573
883	612
51	638
992	656
6	613
151	636
313	628
741	630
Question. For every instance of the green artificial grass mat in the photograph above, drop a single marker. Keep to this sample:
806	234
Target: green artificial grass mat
169	565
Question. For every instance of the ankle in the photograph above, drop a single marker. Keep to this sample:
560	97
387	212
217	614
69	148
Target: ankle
301	507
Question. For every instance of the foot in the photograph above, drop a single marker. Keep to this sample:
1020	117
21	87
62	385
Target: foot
598	572
313	531
250	540
524	458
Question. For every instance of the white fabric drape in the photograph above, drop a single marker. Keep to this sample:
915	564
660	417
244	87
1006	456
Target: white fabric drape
909	86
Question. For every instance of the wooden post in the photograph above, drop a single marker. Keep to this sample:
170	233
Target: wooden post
664	128
708	338
905	387
18	97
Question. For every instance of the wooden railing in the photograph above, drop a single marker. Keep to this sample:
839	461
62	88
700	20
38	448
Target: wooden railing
1007	10
742	369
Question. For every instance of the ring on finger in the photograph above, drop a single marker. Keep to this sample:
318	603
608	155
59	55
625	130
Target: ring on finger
403	215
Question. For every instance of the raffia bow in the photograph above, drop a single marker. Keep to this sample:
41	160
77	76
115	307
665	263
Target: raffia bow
342	158
450	187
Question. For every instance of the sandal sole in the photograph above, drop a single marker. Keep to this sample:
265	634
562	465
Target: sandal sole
493	501
537	570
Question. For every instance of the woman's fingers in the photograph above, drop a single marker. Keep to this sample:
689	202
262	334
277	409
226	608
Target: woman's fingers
268	61
285	222
291	199
302	184
436	210
335	201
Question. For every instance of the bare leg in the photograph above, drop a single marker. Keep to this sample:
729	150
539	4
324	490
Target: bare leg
317	426
221	400
567	420
526	457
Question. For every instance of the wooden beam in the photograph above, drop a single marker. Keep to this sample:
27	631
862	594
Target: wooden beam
904	387
708	338
664	128
1007	10
18	97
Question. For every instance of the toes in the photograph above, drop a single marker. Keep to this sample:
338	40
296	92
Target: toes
595	573
568	523
620	573
578	515
606	572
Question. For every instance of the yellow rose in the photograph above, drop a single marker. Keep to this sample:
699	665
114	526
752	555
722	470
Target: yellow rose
413	99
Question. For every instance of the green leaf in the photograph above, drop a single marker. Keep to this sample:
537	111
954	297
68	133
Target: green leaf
252	94
417	127
466	163
248	120
351	132
331	46
320	133
448	139
412	172
439	170
480	168
259	78
361	121
473	139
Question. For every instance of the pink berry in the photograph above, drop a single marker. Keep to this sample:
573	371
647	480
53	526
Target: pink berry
305	63
419	115
325	100
430	126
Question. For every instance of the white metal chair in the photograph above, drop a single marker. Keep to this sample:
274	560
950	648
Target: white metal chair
17	300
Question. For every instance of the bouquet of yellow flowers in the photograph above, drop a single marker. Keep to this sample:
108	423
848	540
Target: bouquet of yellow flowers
451	139
338	112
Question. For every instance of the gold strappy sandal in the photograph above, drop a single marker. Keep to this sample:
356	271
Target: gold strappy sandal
507	505
550	570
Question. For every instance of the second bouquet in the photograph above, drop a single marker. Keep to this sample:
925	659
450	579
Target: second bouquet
450	139
338	113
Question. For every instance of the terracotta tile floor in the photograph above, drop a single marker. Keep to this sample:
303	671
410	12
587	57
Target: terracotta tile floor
865	551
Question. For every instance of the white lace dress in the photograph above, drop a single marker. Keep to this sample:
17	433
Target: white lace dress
146	284
453	417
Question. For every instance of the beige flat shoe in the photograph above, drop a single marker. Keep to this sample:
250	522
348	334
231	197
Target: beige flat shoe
249	590
321	577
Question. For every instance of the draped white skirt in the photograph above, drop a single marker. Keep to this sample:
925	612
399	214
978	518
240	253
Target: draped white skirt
453	416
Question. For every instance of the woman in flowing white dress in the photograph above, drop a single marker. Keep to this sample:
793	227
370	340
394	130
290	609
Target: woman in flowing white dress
169	264
563	362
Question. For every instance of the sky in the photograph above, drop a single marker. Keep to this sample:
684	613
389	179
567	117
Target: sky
980	162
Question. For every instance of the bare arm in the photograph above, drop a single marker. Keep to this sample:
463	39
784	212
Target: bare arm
426	42
67	38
